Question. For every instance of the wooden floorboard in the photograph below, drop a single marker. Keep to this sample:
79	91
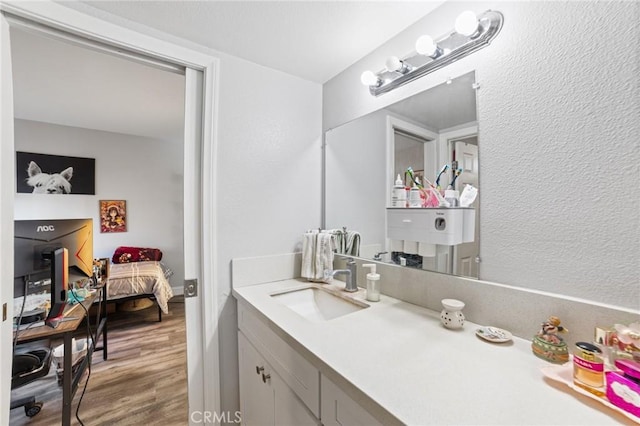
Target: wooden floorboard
144	380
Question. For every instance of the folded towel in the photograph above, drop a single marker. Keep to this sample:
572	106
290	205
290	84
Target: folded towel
352	246
308	255
317	255
345	242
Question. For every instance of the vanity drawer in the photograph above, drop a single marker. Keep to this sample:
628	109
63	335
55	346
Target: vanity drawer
407	224
298	373
447	226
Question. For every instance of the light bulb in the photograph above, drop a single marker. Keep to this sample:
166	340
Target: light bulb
426	46
393	64
368	78
467	23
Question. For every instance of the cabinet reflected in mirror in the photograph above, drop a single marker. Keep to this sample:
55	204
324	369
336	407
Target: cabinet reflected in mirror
431	129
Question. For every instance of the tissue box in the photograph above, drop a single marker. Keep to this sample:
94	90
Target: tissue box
623	392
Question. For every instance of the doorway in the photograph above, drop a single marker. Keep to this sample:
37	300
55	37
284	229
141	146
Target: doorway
128	117
198	183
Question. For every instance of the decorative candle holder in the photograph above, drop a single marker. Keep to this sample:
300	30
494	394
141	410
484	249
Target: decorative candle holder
452	316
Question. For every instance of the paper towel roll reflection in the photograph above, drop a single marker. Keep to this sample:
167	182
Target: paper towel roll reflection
426	249
396	245
410	247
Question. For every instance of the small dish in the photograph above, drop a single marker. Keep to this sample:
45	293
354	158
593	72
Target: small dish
494	334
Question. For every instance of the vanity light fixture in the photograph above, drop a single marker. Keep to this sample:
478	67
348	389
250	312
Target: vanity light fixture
471	33
394	64
427	47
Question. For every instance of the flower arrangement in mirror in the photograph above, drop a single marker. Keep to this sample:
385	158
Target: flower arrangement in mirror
548	345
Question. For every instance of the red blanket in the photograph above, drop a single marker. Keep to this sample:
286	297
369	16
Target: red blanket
136	254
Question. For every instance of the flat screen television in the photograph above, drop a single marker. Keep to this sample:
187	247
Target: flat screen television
36	240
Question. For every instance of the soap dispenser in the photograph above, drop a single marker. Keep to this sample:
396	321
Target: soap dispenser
373	283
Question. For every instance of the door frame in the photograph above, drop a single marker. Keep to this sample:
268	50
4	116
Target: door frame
202	320
447	138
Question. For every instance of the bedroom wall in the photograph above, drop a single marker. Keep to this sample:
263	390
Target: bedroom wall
145	172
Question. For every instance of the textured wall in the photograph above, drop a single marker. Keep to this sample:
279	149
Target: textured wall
558	118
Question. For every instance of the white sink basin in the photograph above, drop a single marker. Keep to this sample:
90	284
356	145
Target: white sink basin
316	304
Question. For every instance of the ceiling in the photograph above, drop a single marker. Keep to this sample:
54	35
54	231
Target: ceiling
61	83
314	40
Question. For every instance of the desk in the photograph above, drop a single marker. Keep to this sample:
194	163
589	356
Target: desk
73	316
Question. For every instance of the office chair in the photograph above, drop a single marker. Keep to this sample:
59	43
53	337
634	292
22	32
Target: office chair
26	368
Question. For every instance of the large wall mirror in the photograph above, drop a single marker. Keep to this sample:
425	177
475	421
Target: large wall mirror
426	131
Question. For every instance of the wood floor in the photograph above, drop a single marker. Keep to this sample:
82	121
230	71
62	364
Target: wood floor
144	380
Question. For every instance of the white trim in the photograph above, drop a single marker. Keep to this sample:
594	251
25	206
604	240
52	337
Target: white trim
209	202
397	123
446	137
52	33
458	132
62	18
7	188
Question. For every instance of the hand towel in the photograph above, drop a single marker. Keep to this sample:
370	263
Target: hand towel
352	244
308	255
324	256
317	255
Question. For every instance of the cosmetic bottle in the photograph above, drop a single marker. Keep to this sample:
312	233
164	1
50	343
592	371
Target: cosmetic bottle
604	340
453	197
373	283
414	197
398	194
588	368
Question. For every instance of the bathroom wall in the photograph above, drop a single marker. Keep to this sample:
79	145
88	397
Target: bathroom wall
129	168
268	170
557	109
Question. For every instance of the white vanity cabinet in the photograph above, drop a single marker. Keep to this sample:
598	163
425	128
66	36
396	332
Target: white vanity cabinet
265	399
277	385
338	409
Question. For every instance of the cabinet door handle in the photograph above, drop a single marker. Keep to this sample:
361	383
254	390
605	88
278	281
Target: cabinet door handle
259	369
406	220
265	377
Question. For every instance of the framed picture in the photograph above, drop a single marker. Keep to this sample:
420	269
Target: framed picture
54	174
113	216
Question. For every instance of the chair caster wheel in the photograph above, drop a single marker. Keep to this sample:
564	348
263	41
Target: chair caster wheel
32	409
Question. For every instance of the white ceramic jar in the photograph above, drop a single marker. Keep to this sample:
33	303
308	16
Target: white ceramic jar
451	315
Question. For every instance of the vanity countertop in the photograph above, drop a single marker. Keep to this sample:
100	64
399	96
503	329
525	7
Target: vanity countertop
398	358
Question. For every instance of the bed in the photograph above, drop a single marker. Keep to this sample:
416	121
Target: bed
137	273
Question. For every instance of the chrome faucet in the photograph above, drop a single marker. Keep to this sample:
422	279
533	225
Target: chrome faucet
378	256
351	274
